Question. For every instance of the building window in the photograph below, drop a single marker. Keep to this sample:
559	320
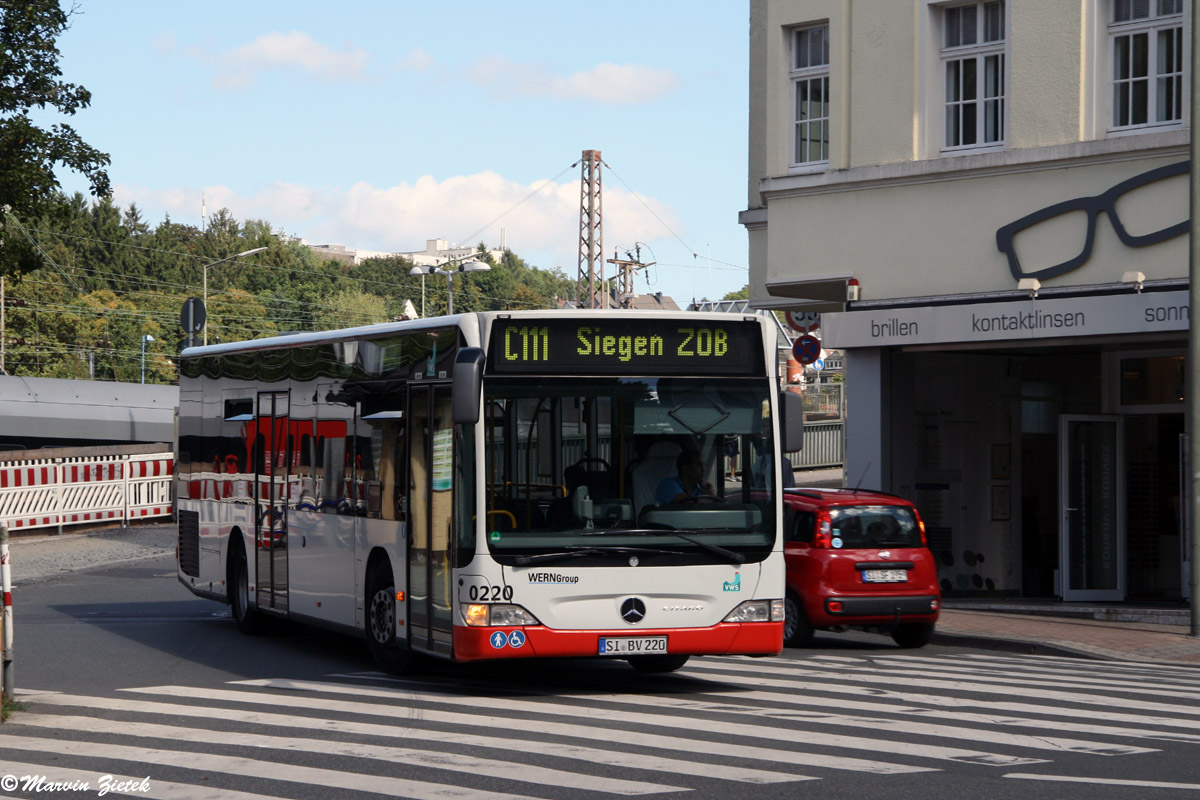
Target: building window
1147	62
974	67
810	95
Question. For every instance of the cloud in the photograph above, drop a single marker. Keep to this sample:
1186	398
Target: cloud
618	84
542	227
294	52
417	60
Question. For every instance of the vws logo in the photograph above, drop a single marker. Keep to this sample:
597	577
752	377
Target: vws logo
734	585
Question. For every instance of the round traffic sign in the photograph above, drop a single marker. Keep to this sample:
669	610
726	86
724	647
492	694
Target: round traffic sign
818	365
192	318
803	321
807	349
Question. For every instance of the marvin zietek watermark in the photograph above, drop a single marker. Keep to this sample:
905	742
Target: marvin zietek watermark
101	786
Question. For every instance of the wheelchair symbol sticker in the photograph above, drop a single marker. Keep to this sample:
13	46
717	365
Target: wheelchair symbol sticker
516	639
499	640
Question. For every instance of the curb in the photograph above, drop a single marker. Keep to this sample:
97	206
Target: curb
1021	646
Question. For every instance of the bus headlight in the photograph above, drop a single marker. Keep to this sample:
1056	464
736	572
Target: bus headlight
752	611
497	615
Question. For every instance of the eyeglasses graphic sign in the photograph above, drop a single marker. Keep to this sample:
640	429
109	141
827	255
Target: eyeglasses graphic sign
1165	225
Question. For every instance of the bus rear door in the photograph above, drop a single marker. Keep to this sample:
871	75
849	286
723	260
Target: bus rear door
272	468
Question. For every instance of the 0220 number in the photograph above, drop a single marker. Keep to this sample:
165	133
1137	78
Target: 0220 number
490	594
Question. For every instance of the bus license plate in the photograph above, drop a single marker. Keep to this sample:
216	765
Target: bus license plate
885	575
632	645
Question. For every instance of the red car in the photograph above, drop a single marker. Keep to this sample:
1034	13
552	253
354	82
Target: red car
857	559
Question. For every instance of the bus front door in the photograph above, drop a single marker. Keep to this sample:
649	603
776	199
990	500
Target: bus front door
431	502
272	467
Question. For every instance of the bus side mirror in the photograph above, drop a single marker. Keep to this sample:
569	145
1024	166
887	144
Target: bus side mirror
792	421
468	383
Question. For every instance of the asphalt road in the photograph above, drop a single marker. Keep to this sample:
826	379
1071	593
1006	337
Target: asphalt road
124	673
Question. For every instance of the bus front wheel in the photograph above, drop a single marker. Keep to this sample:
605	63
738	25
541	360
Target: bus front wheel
248	620
386	649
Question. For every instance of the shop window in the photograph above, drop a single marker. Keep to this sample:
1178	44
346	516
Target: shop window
1154	380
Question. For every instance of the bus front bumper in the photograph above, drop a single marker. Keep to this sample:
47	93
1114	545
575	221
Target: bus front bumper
535	641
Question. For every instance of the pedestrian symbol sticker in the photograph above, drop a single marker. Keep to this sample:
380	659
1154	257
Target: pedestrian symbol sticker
516	639
499	640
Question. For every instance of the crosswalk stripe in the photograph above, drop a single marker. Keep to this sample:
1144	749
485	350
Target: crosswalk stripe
927	667
789	697
509	770
1022	680
885	725
672	721
575	729
158	790
775	702
957	702
509	742
1090	697
55	749
1066	661
1031	776
786	699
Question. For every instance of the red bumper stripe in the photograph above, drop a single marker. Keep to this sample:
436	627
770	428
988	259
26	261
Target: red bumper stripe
473	644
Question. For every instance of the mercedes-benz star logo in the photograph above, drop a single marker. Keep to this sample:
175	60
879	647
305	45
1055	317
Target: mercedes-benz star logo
633	610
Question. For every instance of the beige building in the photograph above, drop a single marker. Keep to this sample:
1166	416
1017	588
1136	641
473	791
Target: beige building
988	201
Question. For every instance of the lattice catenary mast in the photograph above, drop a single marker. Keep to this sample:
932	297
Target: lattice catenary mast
590	283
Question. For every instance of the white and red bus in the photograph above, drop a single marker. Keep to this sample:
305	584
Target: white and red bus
482	486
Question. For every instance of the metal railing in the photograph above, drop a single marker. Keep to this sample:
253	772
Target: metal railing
72	486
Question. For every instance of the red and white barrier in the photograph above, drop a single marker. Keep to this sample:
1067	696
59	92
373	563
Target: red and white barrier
68	491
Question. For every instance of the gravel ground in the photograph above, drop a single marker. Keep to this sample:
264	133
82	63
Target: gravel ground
38	558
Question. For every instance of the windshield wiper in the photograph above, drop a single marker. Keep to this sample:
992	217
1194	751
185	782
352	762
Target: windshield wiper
576	552
736	558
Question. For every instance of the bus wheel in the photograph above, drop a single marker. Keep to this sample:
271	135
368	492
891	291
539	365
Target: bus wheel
387	651
796	630
248	620
652	664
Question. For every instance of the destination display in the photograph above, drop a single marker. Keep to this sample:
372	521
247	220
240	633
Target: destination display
633	346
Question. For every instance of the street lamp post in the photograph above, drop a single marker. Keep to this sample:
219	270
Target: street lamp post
213	264
439	269
145	338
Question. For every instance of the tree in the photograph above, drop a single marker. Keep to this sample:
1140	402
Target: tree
29	78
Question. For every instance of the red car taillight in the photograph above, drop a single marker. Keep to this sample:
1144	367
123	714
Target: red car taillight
921	526
823	536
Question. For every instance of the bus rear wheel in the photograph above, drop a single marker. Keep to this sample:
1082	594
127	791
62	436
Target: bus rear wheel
653	664
389	653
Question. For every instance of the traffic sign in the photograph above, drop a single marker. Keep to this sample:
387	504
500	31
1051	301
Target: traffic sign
819	364
193	316
804	321
807	349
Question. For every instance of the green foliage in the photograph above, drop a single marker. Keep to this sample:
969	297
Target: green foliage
109	279
740	294
29	154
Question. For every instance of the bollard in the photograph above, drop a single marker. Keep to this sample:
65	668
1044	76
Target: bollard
6	631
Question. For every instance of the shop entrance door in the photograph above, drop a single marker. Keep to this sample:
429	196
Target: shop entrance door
1092	507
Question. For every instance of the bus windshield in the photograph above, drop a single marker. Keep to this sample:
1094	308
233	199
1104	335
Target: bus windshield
603	470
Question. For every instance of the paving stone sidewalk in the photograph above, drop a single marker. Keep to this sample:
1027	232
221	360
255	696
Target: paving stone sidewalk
39	557
1131	641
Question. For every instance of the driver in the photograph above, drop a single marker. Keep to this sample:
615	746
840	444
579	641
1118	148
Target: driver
688	485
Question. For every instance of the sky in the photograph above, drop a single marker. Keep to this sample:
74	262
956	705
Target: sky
379	125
